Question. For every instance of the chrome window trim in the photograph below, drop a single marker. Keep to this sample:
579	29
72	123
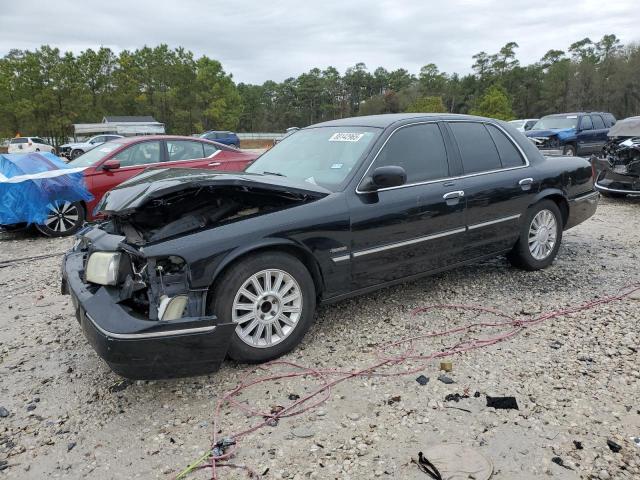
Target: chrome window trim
493	222
427	182
137	336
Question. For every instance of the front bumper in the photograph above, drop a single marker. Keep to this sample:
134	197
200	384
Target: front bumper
611	182
140	348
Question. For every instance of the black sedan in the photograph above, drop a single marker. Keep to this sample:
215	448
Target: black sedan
191	266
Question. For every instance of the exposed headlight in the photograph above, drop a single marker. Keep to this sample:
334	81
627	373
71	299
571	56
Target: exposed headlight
172	308
102	268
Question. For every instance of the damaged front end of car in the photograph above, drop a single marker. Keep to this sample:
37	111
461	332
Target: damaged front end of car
620	173
137	279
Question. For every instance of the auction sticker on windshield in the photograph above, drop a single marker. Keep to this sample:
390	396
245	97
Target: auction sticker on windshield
346	137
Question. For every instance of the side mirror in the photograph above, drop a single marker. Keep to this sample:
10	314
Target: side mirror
385	177
111	165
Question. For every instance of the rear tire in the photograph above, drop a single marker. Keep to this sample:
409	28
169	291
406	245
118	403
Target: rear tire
64	219
540	237
271	297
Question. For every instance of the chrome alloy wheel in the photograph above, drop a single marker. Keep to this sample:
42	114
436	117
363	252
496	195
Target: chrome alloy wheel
62	216
267	308
542	234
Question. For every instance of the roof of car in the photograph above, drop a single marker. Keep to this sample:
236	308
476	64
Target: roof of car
384	120
141	138
575	113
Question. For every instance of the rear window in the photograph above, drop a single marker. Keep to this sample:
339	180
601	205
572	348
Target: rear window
19	140
477	150
609	120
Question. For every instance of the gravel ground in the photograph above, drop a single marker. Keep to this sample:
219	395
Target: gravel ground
576	379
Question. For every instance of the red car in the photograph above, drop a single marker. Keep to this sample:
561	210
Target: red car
118	160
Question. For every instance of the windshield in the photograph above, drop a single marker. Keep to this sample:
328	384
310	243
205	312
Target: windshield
556	122
95	155
323	156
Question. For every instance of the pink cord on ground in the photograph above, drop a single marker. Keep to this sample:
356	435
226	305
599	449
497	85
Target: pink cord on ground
323	392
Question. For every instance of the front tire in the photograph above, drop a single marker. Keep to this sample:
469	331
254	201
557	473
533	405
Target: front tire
540	237
64	219
76	153
569	151
271	298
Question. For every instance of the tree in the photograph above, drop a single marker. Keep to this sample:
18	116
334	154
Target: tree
427	105
216	96
494	103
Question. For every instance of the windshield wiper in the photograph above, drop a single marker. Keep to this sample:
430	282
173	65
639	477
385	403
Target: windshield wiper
274	173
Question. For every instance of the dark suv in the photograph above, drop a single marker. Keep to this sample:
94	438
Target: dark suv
224	137
581	133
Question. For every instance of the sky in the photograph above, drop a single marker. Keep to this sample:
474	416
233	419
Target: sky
261	40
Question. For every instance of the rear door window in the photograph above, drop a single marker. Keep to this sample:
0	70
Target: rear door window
597	122
184	150
586	123
419	149
509	154
477	149
209	149
139	154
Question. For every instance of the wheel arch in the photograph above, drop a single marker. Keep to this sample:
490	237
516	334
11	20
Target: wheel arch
559	198
275	245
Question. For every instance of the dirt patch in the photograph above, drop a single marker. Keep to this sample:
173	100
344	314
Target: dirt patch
575	379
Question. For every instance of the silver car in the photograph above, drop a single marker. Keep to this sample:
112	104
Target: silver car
74	150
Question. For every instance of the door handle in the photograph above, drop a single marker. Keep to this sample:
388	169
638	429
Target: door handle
452	195
526	183
215	164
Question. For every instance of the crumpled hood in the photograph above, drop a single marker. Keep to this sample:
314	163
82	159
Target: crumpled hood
562	133
155	183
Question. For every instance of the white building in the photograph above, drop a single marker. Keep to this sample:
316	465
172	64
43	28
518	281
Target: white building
127	126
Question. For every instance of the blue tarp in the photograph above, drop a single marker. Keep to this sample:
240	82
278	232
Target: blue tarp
30	182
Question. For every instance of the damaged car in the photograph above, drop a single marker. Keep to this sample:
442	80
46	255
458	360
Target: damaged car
571	134
620	164
192	266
